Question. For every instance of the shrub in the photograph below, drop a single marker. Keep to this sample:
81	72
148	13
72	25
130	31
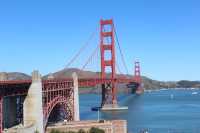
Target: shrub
81	131
55	131
36	131
92	130
70	132
96	130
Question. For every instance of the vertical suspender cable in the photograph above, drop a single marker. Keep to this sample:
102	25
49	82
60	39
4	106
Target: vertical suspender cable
121	53
90	58
81	49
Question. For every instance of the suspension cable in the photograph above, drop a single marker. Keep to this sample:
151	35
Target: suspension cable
117	65
121	53
118	68
90	57
81	49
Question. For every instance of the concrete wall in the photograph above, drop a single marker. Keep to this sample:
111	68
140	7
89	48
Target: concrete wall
76	98
119	126
33	111
21	129
30	129
115	126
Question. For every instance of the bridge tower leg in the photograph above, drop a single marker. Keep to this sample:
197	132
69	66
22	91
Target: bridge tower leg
137	78
107	48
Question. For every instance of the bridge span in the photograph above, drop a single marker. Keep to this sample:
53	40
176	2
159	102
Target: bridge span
36	102
32	102
20	98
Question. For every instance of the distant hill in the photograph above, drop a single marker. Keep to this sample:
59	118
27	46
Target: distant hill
147	82
17	76
67	73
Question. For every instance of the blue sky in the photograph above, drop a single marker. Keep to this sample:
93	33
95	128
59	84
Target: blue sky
163	34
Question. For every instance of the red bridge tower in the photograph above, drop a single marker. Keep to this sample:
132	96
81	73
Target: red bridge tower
107	47
137	78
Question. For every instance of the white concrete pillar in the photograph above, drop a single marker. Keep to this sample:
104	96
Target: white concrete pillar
76	98
33	111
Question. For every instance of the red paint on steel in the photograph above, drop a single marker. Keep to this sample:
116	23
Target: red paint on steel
60	92
1	114
107	32
137	77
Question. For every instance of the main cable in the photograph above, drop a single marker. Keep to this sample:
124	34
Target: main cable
121	53
80	50
90	57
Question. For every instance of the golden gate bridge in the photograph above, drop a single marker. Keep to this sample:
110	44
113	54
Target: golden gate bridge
59	93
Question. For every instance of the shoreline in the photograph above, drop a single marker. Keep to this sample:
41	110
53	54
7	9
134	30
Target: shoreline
163	89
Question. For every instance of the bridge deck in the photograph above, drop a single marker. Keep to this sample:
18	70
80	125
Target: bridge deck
18	87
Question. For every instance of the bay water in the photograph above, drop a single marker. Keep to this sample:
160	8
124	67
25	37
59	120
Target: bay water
161	111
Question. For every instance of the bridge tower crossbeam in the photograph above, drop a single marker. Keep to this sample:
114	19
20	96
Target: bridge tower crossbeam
107	49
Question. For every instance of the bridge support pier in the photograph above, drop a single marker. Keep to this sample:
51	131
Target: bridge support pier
109	102
33	111
76	98
107	97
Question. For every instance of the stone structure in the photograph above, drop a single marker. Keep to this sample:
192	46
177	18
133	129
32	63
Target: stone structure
76	98
119	126
33	115
3	76
33	111
114	126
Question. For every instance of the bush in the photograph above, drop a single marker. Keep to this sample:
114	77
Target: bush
36	131
92	130
55	131
96	130
69	132
81	131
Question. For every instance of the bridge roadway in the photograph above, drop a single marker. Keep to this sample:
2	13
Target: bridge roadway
55	91
45	95
20	87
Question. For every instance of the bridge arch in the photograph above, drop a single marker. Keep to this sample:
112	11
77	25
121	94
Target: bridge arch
66	106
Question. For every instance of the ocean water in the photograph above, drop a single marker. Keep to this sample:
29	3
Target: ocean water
164	111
